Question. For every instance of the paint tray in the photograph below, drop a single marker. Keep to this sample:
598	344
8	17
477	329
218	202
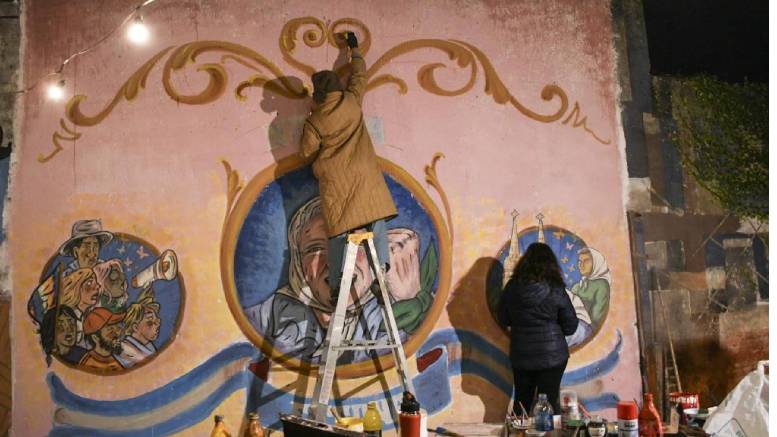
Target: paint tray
295	426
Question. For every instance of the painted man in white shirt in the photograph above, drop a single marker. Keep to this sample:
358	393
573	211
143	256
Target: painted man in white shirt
141	324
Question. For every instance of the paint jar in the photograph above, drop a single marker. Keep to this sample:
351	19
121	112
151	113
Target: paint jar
597	427
574	428
628	425
373	425
569	406
254	428
219	427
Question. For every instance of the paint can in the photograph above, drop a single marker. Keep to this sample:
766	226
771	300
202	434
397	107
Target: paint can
409	416
628	425
597	427
569	406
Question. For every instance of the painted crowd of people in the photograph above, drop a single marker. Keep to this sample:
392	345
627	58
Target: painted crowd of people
88	320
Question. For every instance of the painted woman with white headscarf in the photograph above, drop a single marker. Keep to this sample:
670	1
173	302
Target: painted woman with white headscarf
295	318
594	287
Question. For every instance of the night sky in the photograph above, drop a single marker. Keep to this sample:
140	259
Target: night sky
729	39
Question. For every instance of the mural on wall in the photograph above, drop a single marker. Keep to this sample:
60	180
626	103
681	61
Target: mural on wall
463	53
584	269
275	273
107	302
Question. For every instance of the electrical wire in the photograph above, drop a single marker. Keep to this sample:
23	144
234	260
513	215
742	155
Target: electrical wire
58	71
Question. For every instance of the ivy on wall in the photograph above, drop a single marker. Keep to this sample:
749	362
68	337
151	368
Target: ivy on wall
722	133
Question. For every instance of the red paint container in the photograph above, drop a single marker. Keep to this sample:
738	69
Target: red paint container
627	419
409	416
410	424
687	400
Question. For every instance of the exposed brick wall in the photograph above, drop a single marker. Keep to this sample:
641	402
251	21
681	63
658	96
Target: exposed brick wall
702	275
9	70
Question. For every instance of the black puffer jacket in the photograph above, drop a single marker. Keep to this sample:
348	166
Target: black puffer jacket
539	317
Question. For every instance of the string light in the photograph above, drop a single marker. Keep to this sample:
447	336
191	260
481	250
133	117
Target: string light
138	32
56	90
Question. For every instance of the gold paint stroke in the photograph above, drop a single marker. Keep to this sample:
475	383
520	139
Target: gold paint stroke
574	116
455	52
72	136
234	185
431	178
217	82
129	91
270	76
317	35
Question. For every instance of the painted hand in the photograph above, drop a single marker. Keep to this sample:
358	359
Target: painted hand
350	38
404	277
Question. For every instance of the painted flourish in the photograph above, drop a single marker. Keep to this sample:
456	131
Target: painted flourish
269	75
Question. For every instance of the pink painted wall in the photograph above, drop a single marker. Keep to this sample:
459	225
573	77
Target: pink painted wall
152	168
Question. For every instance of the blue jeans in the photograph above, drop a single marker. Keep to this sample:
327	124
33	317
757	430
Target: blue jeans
339	244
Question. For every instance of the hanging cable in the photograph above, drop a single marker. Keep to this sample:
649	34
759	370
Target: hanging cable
60	84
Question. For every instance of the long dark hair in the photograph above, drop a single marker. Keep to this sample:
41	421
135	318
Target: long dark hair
538	264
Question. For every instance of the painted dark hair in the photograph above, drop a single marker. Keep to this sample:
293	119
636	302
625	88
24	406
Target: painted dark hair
538	264
48	326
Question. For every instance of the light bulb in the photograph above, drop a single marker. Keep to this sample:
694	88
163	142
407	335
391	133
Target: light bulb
138	32
57	90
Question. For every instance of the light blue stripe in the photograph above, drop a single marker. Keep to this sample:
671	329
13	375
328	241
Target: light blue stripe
595	369
178	423
156	398
264	397
600	402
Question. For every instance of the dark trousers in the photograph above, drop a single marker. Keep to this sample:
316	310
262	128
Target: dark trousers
546	381
339	244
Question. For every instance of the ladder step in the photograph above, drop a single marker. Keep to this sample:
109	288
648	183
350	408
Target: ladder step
364	345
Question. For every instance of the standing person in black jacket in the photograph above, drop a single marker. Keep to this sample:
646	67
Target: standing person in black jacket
536	309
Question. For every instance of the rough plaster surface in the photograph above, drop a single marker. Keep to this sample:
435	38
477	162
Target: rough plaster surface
152	167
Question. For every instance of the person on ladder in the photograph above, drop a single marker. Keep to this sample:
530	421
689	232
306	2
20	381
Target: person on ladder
354	194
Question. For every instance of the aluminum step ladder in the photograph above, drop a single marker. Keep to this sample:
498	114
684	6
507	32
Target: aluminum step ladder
334	342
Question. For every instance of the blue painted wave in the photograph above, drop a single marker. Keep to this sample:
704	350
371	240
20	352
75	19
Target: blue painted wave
154	399
432	386
175	424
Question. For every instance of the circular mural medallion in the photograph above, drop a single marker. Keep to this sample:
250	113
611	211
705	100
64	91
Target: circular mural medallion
275	272
584	270
108	303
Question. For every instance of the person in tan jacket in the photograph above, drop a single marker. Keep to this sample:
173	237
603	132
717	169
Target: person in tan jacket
354	194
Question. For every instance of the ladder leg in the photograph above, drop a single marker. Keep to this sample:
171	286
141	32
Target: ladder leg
391	325
334	336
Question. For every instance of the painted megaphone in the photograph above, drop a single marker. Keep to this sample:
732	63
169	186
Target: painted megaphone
165	267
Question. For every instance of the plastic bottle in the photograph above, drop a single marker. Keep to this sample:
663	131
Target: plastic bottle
219	427
409	416
373	425
650	424
569	406
543	414
254	428
627	419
